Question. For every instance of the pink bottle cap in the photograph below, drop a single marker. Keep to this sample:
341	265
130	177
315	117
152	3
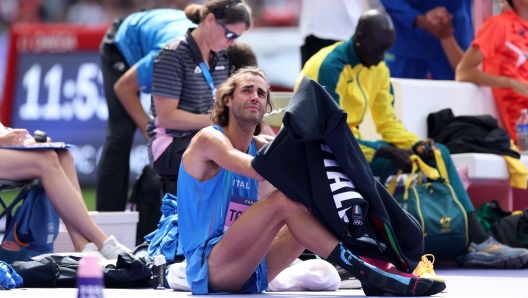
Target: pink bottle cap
89	267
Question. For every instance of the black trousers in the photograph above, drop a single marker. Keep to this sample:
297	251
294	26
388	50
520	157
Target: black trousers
312	45
114	165
167	165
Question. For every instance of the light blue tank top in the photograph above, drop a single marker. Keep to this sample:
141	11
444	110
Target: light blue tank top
207	209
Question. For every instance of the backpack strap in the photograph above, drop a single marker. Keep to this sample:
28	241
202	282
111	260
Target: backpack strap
418	163
391	188
441	165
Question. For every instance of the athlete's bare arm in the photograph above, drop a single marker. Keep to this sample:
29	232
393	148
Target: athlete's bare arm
262	140
211	150
127	91
468	71
264	187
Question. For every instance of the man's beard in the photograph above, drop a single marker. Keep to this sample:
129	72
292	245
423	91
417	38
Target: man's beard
249	118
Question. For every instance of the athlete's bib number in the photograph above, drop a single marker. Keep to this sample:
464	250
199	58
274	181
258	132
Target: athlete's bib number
237	206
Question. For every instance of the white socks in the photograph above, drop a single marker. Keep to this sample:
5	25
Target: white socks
111	248
91	248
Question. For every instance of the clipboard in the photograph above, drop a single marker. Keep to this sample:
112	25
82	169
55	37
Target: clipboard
38	146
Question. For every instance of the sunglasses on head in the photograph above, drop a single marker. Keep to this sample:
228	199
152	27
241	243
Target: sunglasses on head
228	34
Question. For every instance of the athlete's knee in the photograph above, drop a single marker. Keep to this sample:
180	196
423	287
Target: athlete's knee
277	197
65	156
285	204
48	160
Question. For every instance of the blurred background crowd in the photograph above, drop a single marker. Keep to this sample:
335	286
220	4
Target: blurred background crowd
266	12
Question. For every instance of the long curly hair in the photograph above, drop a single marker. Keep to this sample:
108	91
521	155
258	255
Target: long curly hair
220	112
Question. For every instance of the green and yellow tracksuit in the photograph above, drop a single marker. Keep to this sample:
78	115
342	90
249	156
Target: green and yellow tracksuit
358	89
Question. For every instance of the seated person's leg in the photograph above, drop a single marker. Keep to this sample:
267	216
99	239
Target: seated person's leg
88	229
53	170
45	165
260	233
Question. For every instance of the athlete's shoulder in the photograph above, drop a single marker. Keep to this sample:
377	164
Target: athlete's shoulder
208	141
383	70
262	140
503	19
338	58
175	44
209	134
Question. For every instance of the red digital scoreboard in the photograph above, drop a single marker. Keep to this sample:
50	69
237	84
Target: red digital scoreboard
54	83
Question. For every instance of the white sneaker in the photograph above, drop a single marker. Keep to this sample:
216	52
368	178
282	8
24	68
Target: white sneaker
91	248
111	248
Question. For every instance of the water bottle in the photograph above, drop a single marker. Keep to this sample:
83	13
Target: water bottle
90	281
158	272
522	130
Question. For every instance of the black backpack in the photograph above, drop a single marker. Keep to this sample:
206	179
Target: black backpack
60	270
512	230
146	197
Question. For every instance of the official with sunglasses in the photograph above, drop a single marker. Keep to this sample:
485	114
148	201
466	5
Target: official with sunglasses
186	73
128	50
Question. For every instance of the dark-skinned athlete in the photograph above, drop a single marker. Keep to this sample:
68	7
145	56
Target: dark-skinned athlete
357	78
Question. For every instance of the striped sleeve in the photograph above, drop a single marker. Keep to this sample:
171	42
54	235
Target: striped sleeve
168	72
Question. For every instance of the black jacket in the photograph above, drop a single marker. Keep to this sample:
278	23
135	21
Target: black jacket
463	134
315	160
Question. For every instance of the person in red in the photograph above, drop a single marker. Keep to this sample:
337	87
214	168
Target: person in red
501	45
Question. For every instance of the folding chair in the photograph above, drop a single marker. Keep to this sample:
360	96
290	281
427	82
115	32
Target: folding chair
9	255
6	185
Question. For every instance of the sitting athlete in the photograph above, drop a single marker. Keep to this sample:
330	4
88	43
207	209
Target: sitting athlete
234	241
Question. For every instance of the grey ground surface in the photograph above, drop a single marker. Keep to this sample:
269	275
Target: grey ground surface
460	283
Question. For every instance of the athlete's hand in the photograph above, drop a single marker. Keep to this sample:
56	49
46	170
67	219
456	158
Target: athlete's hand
426	149
438	15
400	157
436	21
519	87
